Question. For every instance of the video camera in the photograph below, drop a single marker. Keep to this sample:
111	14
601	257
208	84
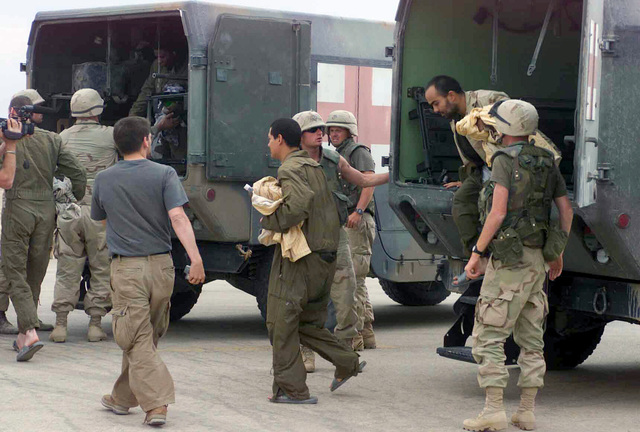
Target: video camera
24	116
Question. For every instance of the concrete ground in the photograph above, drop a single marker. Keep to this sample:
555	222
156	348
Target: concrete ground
220	359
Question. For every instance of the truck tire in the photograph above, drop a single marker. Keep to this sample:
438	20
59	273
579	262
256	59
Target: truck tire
567	352
415	293
184	297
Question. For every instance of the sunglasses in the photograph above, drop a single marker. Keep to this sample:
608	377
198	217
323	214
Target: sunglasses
315	129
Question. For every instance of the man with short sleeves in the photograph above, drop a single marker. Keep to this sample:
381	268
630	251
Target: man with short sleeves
140	200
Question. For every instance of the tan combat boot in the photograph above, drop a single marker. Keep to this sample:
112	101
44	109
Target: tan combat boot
524	418
95	333
492	417
59	333
309	358
358	343
369	338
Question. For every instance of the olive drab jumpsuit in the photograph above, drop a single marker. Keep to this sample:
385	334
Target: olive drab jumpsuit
512	297
28	219
299	291
360	238
78	238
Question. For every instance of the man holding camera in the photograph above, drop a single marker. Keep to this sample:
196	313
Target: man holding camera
28	221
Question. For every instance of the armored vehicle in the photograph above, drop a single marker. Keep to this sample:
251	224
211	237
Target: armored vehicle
235	71
577	62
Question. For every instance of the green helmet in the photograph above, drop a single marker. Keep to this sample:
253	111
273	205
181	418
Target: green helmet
343	119
86	103
32	94
309	120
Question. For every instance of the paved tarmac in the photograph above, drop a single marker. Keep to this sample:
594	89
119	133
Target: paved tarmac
220	359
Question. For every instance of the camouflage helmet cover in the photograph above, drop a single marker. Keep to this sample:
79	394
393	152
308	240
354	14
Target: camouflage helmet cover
343	119
515	117
32	94
86	103
308	120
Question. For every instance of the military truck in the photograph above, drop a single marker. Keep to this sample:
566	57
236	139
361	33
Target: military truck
246	67
577	62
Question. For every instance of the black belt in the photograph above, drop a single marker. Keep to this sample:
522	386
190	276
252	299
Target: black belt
138	256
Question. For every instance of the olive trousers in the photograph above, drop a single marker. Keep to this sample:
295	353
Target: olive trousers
27	233
75	240
465	211
512	300
361	244
296	312
141	293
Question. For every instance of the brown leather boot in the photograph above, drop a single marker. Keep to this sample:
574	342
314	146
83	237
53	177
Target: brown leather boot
524	417
156	416
492	417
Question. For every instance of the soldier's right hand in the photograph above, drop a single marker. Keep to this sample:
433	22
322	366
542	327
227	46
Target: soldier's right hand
167	122
555	267
450	185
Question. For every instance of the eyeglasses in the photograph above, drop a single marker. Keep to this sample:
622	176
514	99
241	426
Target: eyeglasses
315	129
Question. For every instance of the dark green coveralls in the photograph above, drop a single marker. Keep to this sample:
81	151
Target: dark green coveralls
299	291
29	215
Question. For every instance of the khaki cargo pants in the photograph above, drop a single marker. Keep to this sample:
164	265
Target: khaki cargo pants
141	292
27	233
296	312
75	240
512	300
465	211
343	291
361	243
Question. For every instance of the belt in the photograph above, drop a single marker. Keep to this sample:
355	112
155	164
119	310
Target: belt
115	256
328	256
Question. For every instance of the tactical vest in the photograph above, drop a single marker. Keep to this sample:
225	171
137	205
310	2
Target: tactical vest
352	191
330	161
530	200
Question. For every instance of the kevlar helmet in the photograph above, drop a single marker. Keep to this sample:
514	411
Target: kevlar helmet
86	103
32	94
343	119
309	120
515	117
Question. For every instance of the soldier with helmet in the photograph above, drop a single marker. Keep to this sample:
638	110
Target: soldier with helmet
338	173
517	246
361	229
78	236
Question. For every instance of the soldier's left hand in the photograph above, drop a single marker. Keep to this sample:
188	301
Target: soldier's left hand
354	220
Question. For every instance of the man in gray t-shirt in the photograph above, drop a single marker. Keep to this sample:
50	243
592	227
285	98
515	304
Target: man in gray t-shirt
140	201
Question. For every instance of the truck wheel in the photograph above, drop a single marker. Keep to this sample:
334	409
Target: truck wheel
415	293
567	352
184	297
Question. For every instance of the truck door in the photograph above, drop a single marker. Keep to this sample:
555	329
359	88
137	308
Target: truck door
588	107
258	72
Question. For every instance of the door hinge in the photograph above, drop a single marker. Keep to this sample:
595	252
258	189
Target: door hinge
607	45
389	51
385	161
602	175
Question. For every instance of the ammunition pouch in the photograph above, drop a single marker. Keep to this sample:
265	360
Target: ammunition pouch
507	246
531	233
555	244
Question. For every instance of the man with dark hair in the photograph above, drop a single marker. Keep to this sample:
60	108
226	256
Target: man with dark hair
446	97
299	291
139	201
28	222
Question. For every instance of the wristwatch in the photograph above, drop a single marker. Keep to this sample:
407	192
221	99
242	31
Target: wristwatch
483	254
360	211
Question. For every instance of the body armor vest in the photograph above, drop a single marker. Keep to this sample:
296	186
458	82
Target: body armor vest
530	198
352	191
330	161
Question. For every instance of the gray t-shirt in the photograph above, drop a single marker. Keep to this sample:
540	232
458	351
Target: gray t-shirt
135	196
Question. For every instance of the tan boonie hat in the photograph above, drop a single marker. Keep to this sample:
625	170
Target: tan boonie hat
86	103
515	117
309	120
32	94
343	119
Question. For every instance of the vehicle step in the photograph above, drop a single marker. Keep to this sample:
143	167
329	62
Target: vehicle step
470	300
462	353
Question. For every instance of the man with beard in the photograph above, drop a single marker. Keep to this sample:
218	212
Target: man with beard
447	98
